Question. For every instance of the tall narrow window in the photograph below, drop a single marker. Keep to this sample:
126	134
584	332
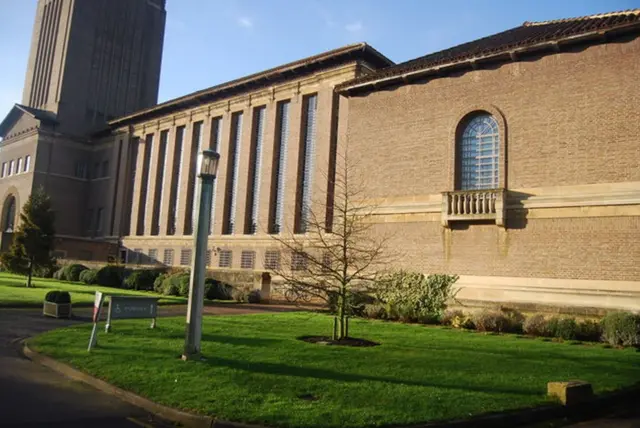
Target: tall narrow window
306	163
278	172
255	164
144	185
131	171
176	172
4	169
11	167
99	219
228	227
216	141
167	257
190	213
19	166
479	151
157	194
27	163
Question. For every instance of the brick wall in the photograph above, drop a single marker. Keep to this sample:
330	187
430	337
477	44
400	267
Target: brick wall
571	119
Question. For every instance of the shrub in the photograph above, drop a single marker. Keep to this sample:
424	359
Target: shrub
176	284
216	290
356	301
157	284
515	320
72	272
142	279
57	296
488	320
621	329
449	315
566	328
183	285
241	294
589	331
58	274
463	321
374	311
46	271
414	296
535	325
111	276
89	276
254	296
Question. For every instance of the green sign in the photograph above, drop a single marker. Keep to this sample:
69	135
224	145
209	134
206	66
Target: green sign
125	307
121	307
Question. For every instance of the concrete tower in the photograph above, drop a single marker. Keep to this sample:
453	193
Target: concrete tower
94	60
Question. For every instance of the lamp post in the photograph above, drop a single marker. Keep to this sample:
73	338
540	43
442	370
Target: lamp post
207	169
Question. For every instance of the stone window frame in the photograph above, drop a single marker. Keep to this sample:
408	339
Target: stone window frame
225	258
186	255
455	134
247	259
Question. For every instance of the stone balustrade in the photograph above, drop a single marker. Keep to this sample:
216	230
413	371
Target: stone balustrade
473	205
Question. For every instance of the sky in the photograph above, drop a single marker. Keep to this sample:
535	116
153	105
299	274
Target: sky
208	42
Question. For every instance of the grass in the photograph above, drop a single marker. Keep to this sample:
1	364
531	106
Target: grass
14	293
256	371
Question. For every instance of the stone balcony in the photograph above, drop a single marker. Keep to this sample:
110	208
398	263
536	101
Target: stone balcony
473	205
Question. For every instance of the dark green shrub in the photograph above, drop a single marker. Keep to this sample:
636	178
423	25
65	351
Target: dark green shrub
142	279
535	325
57	296
240	294
254	296
183	285
176	284
89	276
551	327
589	331
216	290
515	320
374	311
72	272
111	276
621	329
566	328
488	320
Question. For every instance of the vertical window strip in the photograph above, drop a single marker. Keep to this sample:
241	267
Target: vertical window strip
308	156
216	140
279	171
157	198
133	161
253	194
480	151
174	194
144	185
193	174
232	174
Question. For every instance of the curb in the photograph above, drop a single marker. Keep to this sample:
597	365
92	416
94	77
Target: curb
586	411
174	415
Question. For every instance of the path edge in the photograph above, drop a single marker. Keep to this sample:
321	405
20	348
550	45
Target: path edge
181	417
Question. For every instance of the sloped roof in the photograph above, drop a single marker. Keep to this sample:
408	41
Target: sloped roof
528	35
18	109
264	78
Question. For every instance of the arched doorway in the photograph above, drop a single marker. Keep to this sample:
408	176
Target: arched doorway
9	220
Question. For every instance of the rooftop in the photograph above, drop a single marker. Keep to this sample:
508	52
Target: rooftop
518	39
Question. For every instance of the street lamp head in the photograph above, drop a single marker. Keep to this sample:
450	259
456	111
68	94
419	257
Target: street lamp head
208	163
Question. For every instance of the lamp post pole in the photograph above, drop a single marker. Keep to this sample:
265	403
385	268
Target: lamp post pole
208	165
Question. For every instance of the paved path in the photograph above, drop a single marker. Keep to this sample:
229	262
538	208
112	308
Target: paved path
33	396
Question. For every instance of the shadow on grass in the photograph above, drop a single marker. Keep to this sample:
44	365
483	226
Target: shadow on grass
279	369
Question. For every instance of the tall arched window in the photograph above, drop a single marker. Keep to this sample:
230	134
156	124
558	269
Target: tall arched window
9	217
479	150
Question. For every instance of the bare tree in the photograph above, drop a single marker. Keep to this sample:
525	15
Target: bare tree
335	251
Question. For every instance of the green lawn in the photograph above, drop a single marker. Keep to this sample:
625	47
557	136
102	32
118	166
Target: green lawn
14	293
256	371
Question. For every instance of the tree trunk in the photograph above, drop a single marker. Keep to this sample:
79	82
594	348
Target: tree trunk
30	273
341	314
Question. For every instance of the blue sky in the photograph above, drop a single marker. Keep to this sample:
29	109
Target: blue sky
208	42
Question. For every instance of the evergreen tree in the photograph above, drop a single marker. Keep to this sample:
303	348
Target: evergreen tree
33	240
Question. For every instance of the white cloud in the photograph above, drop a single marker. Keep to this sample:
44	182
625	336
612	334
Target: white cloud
245	21
354	27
